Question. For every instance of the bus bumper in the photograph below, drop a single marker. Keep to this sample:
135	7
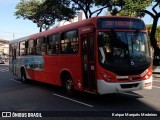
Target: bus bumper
106	87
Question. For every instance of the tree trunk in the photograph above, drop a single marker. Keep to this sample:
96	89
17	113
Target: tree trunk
40	28
153	37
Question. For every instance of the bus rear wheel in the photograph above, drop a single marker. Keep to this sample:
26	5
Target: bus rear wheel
69	86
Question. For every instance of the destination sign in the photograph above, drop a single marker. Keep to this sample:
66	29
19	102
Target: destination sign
120	23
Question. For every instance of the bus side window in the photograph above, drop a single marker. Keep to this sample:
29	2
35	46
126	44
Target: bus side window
40	46
22	48
31	48
53	44
69	42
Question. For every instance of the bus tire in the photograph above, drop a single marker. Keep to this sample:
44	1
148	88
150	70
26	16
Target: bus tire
23	76
69	86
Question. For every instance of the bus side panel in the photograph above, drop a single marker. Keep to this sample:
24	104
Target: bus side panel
54	65
51	70
72	64
38	75
33	65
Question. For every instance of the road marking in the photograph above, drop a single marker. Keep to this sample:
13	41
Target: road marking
156	80
156	87
73	100
15	80
4	69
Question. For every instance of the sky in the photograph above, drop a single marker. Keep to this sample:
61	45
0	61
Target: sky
12	28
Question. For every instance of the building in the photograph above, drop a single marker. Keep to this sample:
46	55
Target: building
4	47
79	17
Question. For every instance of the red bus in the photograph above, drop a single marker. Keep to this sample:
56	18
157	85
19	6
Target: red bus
99	55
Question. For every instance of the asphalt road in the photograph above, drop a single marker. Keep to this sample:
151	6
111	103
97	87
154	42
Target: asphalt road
40	97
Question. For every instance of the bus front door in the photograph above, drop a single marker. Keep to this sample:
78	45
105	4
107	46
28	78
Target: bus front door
88	56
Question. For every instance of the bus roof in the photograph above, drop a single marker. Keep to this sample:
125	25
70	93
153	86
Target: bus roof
74	25
19	39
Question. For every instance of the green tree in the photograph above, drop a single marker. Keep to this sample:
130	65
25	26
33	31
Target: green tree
84	5
125	7
27	9
44	12
134	8
87	7
92	7
155	14
112	6
157	35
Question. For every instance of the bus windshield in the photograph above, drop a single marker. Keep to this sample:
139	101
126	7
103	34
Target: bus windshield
123	50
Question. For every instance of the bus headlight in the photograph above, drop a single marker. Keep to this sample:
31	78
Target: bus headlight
144	73
147	76
107	78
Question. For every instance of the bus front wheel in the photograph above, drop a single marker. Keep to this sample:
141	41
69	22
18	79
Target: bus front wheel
69	86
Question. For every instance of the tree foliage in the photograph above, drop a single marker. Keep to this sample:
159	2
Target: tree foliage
155	14
134	8
44	12
125	7
84	5
27	9
157	34
89	7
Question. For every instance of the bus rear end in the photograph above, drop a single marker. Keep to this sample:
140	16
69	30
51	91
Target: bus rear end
123	55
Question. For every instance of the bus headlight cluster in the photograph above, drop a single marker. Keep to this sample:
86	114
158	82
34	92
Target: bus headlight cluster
147	75
107	78
144	73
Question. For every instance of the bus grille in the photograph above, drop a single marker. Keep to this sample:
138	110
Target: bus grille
125	86
132	79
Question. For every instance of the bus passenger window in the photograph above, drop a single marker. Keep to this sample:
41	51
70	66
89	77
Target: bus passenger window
69	42
53	44
22	48
31	47
40	46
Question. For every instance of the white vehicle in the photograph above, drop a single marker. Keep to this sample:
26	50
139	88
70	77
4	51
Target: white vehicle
2	60
156	66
